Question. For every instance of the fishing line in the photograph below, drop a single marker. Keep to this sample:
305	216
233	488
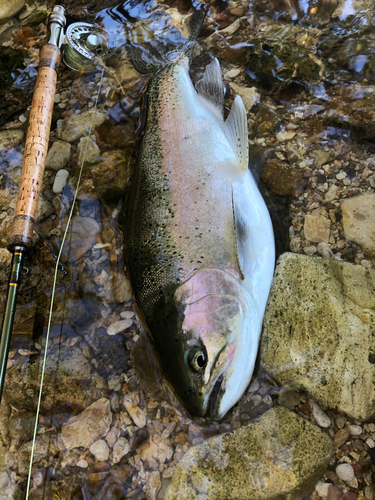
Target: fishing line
53	291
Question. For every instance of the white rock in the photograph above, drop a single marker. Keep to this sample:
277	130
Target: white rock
249	95
119	326
232	73
370	442
120	448
60	181
58	155
100	450
341	175
345	472
355	430
322	488
153	485
285	136
322	419
82	463
5	258
127	314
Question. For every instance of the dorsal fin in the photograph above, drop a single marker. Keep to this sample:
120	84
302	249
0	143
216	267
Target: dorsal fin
210	87
236	131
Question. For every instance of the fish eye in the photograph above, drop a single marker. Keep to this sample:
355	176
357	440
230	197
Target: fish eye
197	359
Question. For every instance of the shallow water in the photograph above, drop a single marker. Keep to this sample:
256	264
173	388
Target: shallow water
304	57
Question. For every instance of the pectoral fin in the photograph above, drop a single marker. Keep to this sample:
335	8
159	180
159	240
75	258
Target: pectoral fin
241	230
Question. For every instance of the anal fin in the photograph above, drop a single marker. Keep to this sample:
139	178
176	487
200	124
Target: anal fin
236	131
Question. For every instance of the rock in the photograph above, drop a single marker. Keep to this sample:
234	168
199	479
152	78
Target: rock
278	455
91	424
153	485
358	220
58	155
5	258
322	488
284	135
75	382
334	493
109	177
317	228
289	399
323	339
42	445
325	250
44	208
331	194
78	126
84	236
100	450
355	430
88	150
60	181
9	138
21	426
10	9
340	437
345	472
135	413
249	95
282	178
82	463
232	74
321	418
119	326
120	449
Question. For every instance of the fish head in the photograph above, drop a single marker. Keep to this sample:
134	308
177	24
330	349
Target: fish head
210	357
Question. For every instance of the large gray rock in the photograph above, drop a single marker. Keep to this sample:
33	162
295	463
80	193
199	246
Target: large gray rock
78	126
58	155
359	221
318	331
278	455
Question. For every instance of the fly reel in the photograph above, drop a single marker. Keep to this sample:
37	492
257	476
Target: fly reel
86	45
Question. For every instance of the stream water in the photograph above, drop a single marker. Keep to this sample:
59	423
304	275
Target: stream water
312	65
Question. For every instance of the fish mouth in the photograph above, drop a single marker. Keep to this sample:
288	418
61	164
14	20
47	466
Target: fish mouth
215	395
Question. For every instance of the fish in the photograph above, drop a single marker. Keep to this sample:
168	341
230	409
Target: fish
199	247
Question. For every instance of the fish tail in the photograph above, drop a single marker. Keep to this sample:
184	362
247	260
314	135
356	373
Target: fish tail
148	61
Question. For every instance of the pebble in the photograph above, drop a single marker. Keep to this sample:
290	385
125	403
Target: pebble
321	418
345	472
135	413
334	493
119	326
10	139
60	181
120	449
340	420
231	74
153	485
317	228
100	450
322	488
127	314
82	463
249	95
58	155
355	430
370	443
285	136
340	437
325	250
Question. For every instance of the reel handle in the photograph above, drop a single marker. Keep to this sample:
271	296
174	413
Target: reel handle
35	148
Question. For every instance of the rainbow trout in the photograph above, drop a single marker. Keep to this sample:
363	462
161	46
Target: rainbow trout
199	245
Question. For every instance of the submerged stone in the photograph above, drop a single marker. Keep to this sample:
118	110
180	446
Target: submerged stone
78	126
282	178
358	220
278	455
318	332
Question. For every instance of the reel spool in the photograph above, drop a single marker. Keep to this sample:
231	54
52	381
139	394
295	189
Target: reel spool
85	46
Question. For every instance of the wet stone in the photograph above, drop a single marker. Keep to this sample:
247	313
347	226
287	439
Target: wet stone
358	220
321	418
120	449
100	450
58	155
340	437
325	332
345	472
84	429
249	95
317	228
78	126
285	456
282	178
88	150
10	138
60	181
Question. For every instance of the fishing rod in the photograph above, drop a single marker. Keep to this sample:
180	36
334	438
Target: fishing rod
84	46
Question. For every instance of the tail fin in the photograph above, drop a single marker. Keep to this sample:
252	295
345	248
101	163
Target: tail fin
149	59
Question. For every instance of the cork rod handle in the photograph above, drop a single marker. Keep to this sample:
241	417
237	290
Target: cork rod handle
36	147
